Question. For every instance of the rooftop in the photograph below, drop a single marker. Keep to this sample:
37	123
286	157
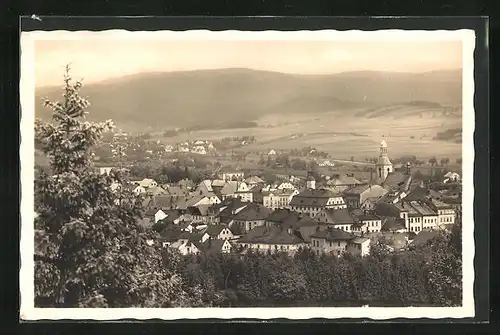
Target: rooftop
337	216
358	189
270	235
333	234
282	215
253	212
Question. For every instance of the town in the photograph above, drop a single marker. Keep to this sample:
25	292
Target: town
235	211
134	216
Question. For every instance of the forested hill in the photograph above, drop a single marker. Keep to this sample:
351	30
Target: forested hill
211	97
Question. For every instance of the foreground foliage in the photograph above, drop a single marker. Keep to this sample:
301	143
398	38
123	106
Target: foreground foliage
90	250
429	275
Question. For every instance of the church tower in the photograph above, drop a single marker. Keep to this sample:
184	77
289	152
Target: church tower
311	182
384	165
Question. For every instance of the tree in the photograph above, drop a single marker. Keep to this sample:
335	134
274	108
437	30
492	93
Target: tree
90	250
445	161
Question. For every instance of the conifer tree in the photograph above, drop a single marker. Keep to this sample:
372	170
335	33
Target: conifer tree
90	250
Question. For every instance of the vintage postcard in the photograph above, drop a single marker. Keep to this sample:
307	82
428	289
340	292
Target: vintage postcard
260	175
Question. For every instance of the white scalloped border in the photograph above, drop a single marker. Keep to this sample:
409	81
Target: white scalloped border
29	312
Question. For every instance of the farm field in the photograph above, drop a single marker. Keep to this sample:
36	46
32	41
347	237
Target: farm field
343	135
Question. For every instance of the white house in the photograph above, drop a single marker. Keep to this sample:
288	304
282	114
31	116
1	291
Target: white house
220	232
359	246
185	247
200	150
139	190
326	162
147	182
366	223
330	241
278	199
105	170
446	213
286	186
160	215
451	177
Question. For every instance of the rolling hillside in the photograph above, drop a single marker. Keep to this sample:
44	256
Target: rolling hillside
212	97
416	108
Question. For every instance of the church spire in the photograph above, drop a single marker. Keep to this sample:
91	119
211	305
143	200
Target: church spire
384	165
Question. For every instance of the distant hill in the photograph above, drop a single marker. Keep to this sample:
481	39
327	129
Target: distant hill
412	108
212	97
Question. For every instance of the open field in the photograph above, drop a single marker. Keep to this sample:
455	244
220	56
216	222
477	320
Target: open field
343	135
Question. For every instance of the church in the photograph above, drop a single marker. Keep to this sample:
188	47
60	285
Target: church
384	166
387	177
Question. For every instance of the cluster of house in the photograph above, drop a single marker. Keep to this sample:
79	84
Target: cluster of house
235	214
197	147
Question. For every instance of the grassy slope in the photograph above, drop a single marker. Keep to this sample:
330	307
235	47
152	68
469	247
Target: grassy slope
165	100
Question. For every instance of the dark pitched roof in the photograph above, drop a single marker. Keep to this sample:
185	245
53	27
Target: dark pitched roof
417	194
171	234
338	216
282	215
307	221
397	181
161	201
298	200
211	246
237	230
387	209
270	235
195	237
193	211
253	212
214	230
357	189
343	180
306	231
333	234
317	193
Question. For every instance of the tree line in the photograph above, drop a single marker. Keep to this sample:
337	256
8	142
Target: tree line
429	275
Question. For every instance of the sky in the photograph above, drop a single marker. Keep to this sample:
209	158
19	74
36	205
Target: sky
97	60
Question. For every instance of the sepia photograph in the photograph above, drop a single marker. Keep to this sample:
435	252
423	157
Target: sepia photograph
237	174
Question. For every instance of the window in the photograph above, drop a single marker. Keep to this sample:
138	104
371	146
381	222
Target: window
330	243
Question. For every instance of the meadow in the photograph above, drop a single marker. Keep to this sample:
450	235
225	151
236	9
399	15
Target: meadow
344	135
